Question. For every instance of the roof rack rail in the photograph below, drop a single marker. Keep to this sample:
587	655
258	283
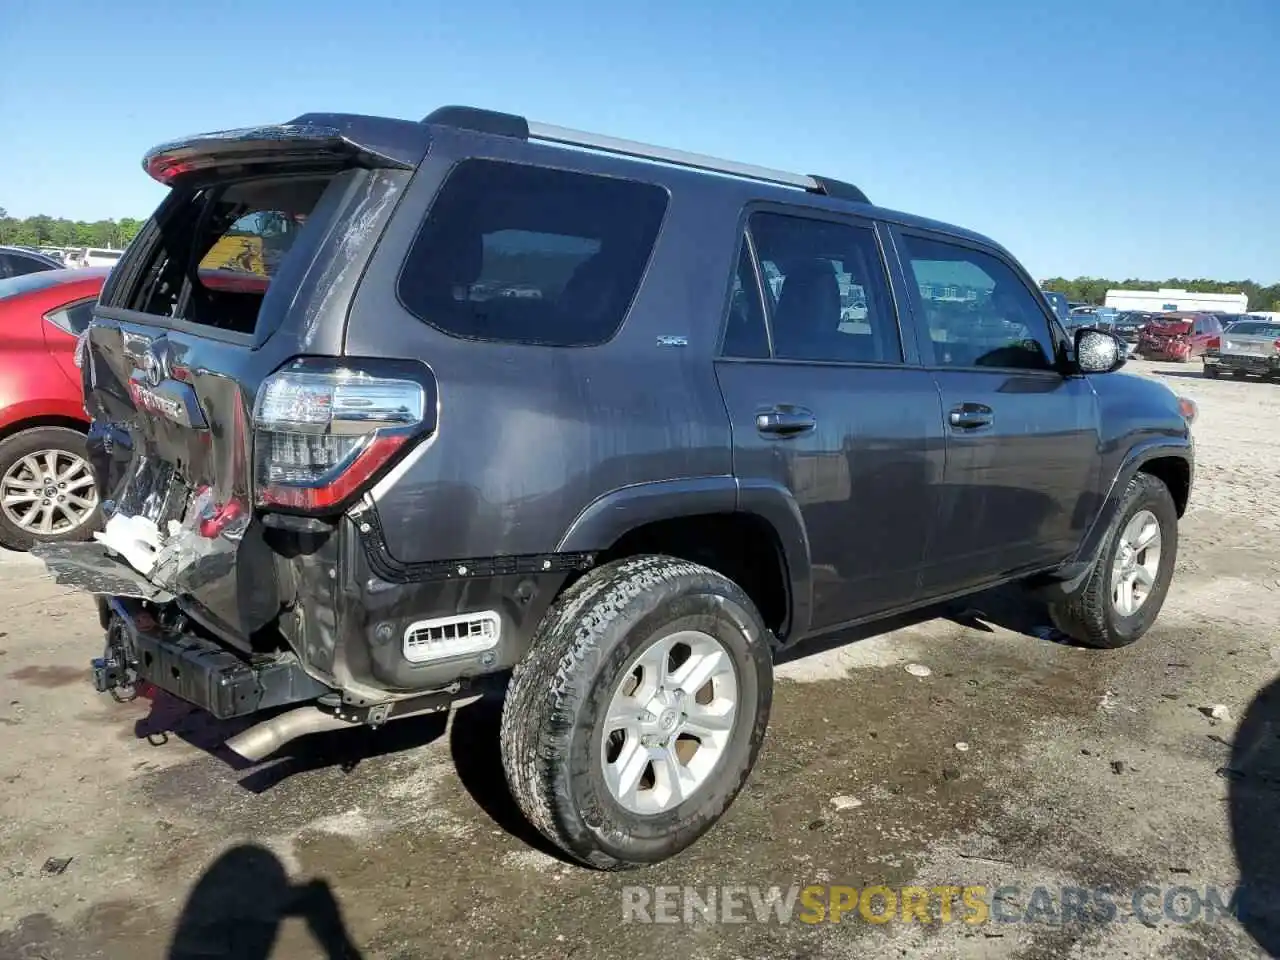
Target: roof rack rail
511	125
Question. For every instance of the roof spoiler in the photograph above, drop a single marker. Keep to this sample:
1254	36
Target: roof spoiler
315	137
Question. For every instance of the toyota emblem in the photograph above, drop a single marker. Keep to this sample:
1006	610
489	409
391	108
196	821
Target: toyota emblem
153	366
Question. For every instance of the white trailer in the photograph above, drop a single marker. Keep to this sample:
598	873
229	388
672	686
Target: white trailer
1167	301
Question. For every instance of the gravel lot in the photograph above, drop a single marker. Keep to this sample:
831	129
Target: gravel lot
1082	769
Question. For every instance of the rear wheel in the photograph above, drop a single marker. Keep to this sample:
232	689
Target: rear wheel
1240	374
1211	371
47	493
638	713
1123	594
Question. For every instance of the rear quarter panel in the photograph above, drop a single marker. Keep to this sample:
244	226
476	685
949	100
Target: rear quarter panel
529	436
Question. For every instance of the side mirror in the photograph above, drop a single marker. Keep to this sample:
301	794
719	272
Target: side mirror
1098	351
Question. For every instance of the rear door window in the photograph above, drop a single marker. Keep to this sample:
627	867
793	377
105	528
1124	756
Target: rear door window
745	334
826	289
523	254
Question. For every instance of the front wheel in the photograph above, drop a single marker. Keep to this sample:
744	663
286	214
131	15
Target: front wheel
1210	371
47	491
638	713
1123	594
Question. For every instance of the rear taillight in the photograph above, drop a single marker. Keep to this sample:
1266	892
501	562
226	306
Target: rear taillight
1276	344
323	430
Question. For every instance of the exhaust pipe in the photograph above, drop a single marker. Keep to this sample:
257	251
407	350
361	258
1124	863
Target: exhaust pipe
263	739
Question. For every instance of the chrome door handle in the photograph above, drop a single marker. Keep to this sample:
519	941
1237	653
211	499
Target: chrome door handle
970	416
785	421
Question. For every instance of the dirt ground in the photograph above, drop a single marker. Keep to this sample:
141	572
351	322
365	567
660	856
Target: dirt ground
1082	769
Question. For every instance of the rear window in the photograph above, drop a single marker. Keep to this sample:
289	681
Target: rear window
524	254
218	249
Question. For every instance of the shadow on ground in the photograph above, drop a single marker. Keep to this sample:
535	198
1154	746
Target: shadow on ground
1254	806
236	909
346	749
474	746
1009	607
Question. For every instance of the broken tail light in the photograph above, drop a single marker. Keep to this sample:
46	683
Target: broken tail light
322	430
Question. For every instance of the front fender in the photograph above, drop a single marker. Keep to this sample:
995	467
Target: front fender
1152	449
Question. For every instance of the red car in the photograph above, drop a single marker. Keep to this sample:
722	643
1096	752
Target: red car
1179	336
47	491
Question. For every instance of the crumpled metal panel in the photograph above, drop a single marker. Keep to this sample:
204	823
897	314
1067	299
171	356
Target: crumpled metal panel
94	569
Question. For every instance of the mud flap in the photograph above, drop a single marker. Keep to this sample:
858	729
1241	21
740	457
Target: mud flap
94	569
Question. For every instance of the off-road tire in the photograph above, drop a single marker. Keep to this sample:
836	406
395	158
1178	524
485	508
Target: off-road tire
1089	616
1210	371
561	689
1240	374
24	443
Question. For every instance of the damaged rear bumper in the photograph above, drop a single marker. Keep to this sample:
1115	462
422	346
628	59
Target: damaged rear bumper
140	648
194	669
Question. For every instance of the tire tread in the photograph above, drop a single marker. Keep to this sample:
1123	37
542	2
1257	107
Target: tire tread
544	690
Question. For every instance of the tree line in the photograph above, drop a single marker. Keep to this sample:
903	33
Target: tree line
44	231
1094	289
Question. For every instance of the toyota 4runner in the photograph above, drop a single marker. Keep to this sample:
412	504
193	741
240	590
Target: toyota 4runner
497	399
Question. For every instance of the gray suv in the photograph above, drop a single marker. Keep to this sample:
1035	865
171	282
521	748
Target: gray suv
387	411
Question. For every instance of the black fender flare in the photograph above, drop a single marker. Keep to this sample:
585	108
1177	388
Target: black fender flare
610	516
1075	571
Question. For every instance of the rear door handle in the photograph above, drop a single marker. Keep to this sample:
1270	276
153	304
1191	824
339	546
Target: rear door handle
785	421
971	416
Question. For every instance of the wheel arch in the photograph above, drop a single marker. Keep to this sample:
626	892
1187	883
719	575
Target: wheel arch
14	427
1167	460
743	524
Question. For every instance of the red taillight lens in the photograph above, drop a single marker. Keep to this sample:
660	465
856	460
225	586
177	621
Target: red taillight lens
1276	344
321	432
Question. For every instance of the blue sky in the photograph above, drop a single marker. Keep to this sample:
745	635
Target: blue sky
1105	137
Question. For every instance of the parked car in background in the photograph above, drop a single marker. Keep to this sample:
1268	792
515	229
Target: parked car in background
19	261
1179	336
1247	346
47	491
101	257
1129	325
